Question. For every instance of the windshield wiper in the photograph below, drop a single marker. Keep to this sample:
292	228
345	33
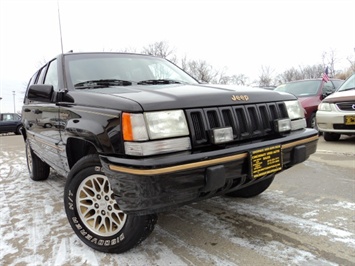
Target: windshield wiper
102	83
159	82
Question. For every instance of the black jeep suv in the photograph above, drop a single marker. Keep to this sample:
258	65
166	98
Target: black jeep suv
136	135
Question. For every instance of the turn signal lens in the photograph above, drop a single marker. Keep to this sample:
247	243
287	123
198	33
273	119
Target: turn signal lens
133	127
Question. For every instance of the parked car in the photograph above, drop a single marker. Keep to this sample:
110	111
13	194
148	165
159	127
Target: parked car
10	122
310	92
135	135
336	113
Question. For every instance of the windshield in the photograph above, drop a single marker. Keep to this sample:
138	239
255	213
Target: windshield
301	89
349	84
115	69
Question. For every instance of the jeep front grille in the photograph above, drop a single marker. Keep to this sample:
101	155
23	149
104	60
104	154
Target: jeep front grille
247	121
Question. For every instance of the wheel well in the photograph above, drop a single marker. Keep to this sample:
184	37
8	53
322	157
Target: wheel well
24	133
77	149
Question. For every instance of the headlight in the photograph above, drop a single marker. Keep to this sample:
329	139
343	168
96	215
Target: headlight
296	114
155	132
294	109
166	124
324	107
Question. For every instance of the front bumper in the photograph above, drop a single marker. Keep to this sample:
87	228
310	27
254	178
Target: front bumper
333	122
151	185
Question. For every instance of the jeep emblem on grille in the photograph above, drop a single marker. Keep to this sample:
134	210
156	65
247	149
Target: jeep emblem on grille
240	98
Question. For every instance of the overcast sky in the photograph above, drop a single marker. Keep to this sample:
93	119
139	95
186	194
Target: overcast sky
238	36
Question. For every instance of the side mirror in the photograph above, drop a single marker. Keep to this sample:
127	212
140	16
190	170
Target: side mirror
326	94
41	93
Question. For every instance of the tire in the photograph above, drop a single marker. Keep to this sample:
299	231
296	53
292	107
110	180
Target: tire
331	136
253	190
94	214
38	169
18	130
312	122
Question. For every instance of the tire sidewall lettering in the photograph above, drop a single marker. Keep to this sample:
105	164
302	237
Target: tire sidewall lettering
95	239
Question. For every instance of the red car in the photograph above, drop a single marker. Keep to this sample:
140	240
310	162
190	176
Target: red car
310	93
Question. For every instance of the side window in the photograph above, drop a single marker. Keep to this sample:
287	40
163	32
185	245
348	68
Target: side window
33	79
8	117
52	75
17	117
42	72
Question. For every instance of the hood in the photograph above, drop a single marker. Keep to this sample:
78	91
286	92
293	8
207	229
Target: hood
341	96
174	96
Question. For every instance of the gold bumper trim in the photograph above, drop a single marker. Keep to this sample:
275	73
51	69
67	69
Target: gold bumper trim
189	166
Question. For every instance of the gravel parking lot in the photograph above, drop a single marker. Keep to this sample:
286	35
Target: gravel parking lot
306	217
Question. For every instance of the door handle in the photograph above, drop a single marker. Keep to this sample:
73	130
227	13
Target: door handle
37	111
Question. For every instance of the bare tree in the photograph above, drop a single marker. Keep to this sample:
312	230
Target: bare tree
288	75
265	77
201	70
311	72
240	79
307	72
351	60
160	49
329	59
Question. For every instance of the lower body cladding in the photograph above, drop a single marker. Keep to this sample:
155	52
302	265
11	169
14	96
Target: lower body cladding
151	185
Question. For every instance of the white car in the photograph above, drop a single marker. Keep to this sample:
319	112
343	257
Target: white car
336	113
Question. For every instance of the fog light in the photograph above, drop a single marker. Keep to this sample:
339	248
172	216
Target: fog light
282	125
221	135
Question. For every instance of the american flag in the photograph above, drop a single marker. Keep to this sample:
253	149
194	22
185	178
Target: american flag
325	77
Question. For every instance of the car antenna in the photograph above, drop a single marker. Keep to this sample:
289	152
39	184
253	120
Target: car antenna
61	44
60	28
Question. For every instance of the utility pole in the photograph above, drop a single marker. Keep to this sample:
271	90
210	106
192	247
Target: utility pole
13	92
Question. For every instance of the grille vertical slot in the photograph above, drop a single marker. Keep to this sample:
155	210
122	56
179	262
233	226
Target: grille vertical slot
265	118
242	121
213	118
255	119
197	124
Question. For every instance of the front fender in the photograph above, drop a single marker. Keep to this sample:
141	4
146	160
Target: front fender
105	137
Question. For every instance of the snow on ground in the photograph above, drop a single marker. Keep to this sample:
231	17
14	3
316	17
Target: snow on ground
273	229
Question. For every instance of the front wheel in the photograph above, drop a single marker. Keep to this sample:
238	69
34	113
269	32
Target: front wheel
18	130
253	190
94	214
313	122
331	136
